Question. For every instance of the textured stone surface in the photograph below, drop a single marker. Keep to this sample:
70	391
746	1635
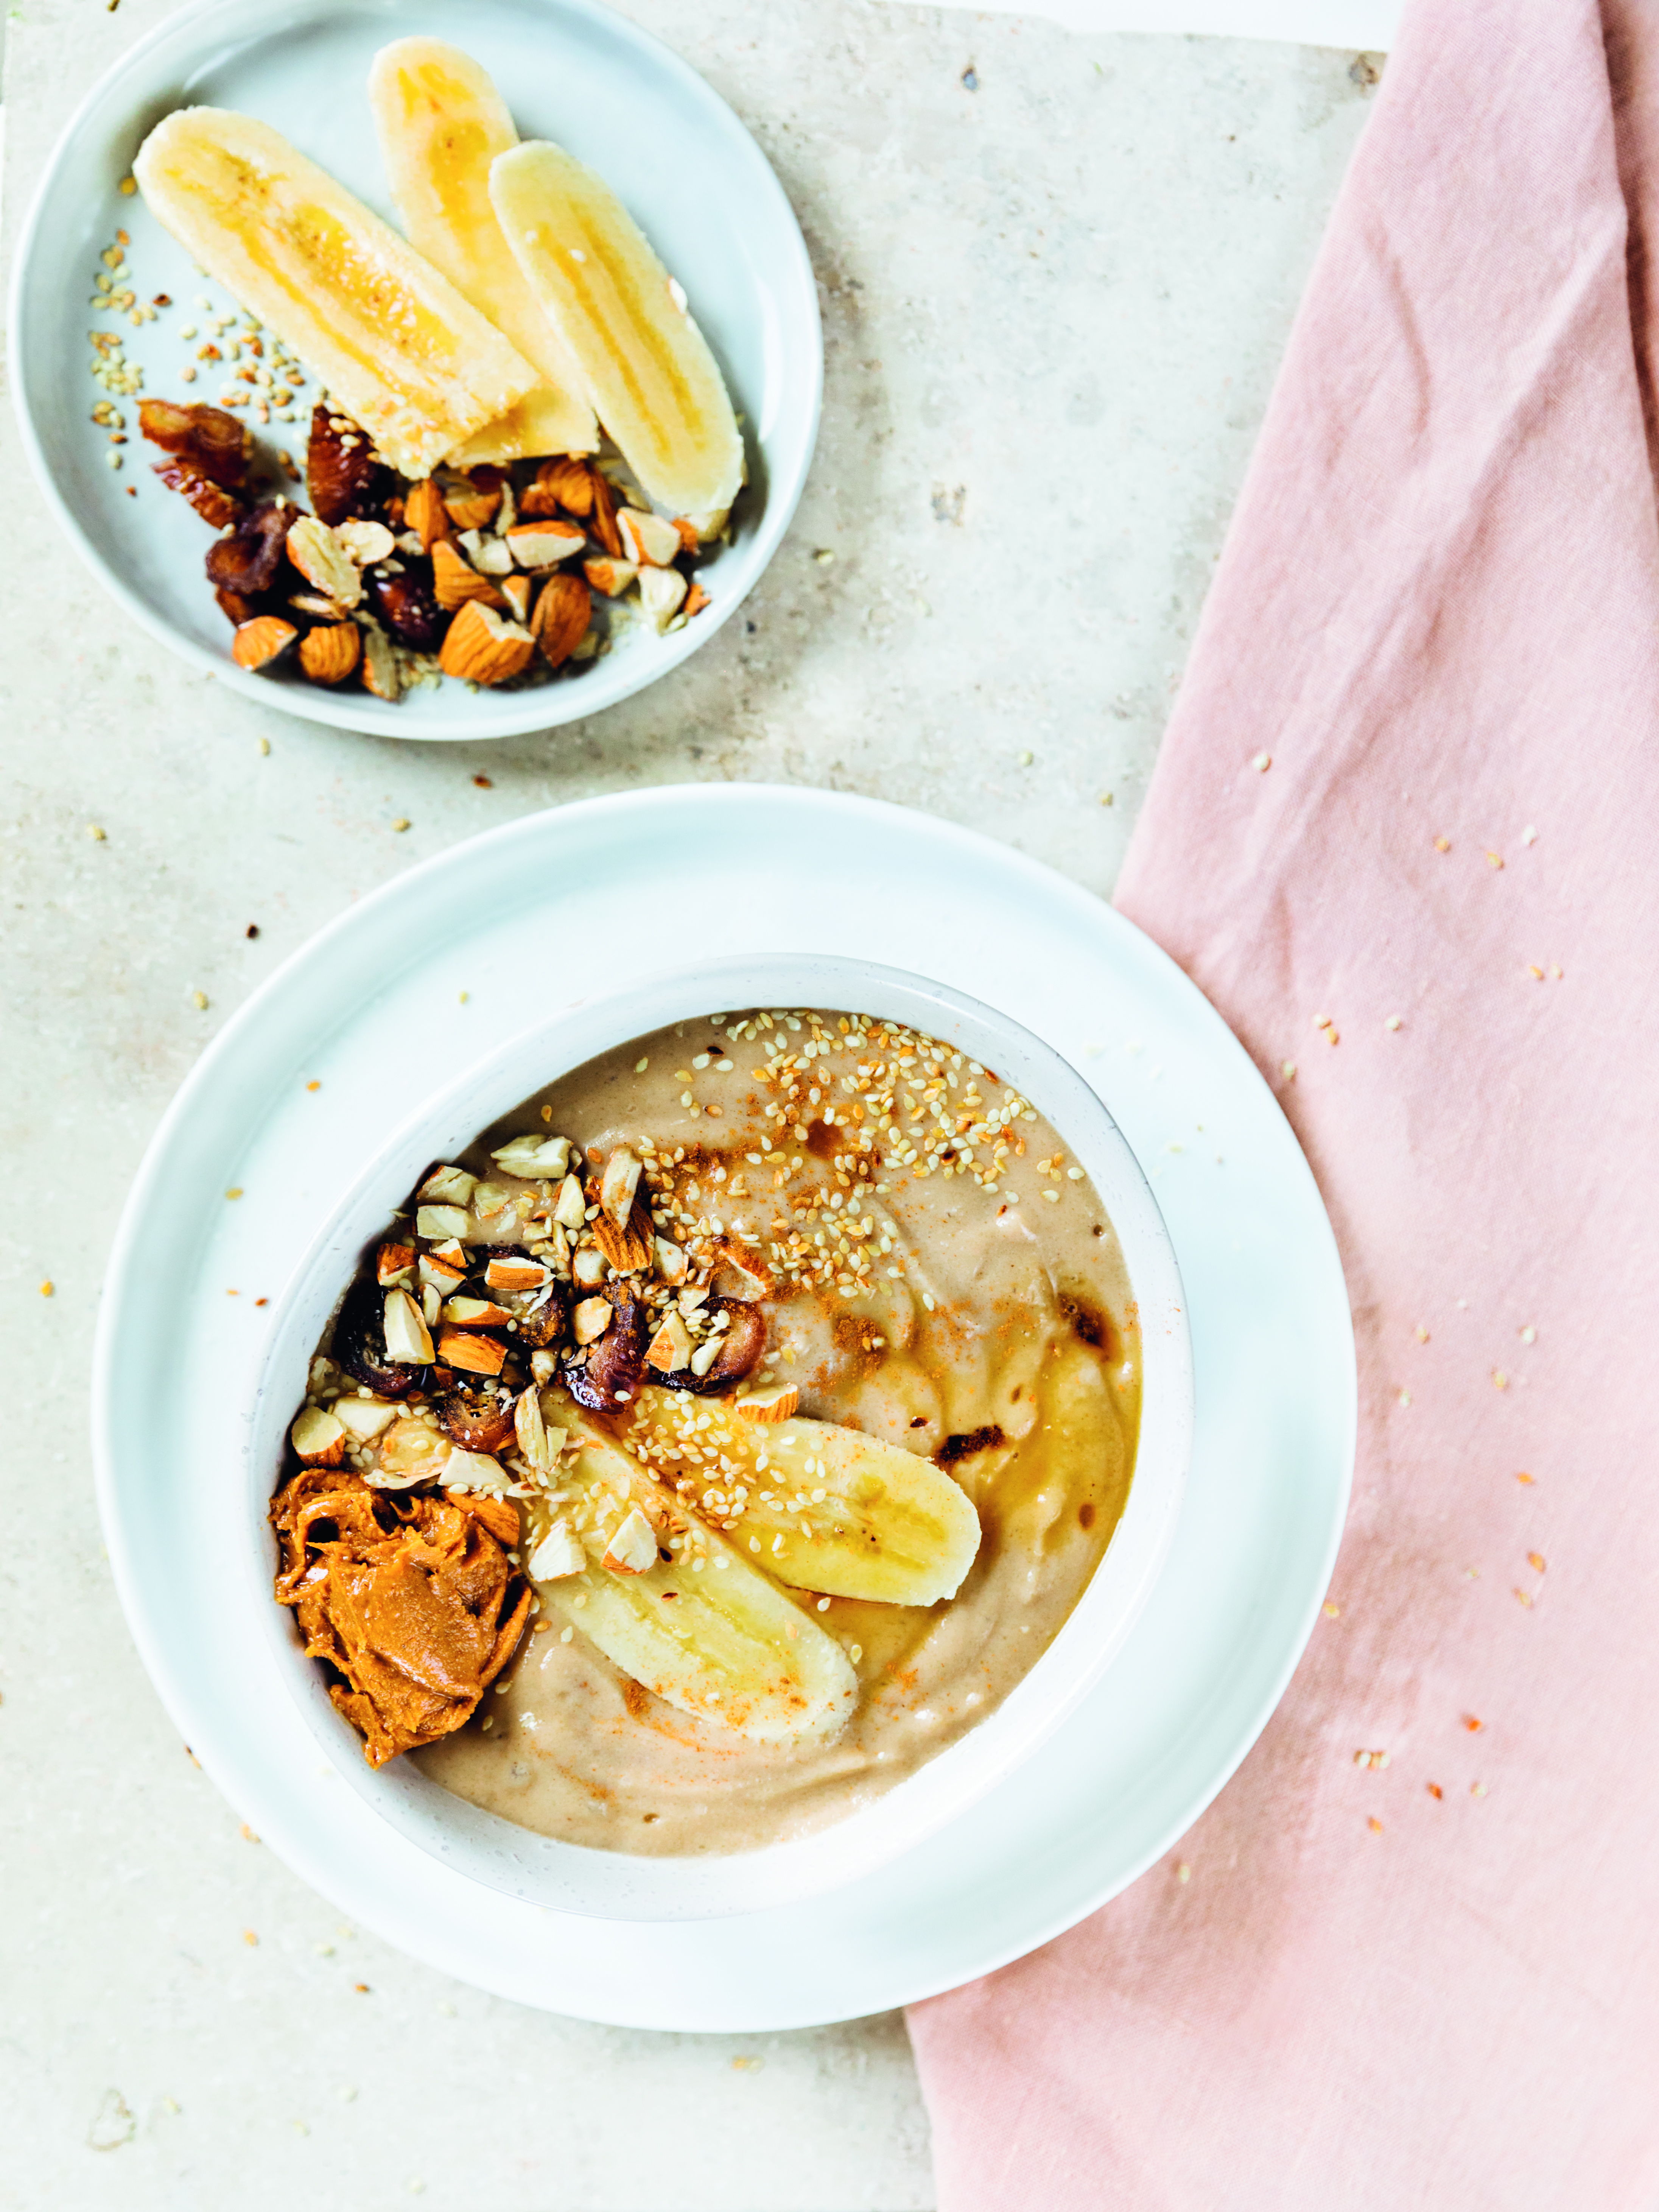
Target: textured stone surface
1053	304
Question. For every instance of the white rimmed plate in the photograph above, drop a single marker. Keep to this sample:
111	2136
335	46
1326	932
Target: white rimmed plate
1185	1697
572	70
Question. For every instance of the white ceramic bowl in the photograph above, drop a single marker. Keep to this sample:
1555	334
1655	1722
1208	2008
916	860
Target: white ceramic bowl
571	1878
702	189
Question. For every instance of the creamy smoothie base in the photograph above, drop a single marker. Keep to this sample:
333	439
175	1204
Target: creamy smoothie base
835	1221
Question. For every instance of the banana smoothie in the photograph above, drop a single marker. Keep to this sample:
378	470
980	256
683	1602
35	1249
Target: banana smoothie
718	1439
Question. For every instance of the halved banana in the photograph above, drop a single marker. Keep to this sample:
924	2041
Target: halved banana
386	333
645	366
440	123
701	1630
820	1506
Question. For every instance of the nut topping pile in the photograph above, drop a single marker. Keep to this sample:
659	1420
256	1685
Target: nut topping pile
490	575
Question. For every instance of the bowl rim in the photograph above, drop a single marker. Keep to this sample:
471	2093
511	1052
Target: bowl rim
612	1885
518	713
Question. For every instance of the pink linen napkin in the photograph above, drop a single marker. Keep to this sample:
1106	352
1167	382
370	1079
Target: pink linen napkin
1434	1984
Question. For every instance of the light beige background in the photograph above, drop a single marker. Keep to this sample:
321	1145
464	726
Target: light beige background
1053	309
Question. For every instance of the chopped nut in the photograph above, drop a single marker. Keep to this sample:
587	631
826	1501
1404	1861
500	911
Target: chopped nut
366	542
317	1437
570	1210
671	1263
434	1222
632	1547
564	610
543	544
474	1354
455	580
488	555
323	560
259	642
485	648
329	655
774	1404
661	590
559	1554
588	1268
611	577
425	513
531	1156
590	1319
618	1184
392	1263
670	1348
647	539
380	672
530	1431
407	1339
448	1186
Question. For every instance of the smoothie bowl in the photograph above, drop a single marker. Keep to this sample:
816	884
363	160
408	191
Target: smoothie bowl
719	1437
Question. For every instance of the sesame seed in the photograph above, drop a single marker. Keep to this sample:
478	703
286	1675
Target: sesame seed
1262	762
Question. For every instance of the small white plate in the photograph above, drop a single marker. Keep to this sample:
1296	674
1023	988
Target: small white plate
701	188
435	970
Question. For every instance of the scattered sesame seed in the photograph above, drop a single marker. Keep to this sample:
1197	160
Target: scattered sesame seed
1528	836
1374	1825
1262	762
639	1066
235	1191
1528	1335
1392	1023
315	1084
1287	1069
95	833
1494	860
402	822
1331	1611
48	1288
1435	1790
1442	844
1183	1873
1535	1561
1500	1381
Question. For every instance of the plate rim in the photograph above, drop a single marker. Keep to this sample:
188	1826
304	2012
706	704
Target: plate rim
1081	1900
312	703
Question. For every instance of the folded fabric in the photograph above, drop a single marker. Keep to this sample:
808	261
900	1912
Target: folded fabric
1403	833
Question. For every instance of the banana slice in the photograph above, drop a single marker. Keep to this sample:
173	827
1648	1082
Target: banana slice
645	366
703	1631
440	123
388	335
822	1507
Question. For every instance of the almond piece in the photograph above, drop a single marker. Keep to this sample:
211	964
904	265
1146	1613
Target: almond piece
518	591
437	1274
564	483
696	600
571	1209
436	1222
322	560
628	1249
476	1313
776	1405
391	1263
483	646
473	1354
363	1419
257	643
671	1263
608	576
329	655
488	554
426	514
690	540
447	1186
670	1348
588	1268
661	590
472	507
603	520
562	613
513	1274
618	1184
633	1546
533	1157
407	1340
558	1554
366	542
647	539
590	1319
455	580
543	544
379	667
318	1438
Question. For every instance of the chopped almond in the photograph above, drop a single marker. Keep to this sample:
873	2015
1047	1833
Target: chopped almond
318	1438
259	642
473	1354
392	1263
425	513
483	646
329	655
562	614
455	580
778	1405
632	1547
